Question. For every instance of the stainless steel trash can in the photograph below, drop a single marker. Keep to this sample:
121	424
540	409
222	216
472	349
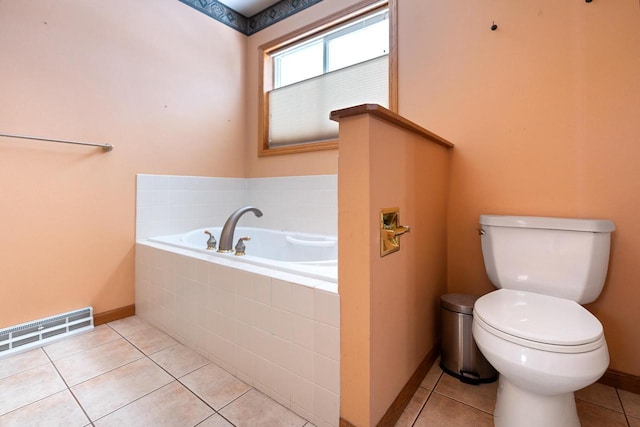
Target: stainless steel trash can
459	354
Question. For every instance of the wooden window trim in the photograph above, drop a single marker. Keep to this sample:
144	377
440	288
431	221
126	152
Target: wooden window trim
265	70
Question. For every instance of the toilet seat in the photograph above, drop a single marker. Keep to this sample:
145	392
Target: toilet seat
539	321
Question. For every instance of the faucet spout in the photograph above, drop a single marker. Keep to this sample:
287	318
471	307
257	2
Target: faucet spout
226	237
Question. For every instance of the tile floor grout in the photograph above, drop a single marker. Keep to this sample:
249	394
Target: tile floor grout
148	356
593	411
111	370
215	415
67	385
176	379
440	399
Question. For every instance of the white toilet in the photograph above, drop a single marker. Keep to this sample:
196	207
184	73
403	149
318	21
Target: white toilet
533	330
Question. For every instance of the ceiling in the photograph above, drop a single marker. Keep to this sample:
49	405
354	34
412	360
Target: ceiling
248	7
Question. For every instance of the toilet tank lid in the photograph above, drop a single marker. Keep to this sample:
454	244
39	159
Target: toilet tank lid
573	224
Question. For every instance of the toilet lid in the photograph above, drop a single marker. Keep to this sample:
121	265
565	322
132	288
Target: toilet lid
540	318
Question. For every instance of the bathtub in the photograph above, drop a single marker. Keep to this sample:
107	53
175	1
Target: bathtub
271	317
310	255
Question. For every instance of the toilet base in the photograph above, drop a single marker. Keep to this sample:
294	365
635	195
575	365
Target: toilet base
518	407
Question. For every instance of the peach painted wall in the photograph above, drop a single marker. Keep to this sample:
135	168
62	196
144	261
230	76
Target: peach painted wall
543	113
544	116
159	80
387	304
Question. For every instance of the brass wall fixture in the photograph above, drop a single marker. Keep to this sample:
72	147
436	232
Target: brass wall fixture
390	231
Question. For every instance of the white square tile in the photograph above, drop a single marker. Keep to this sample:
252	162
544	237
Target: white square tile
262	344
327	308
160	182
226	328
244	284
225	278
262	318
281	294
228	352
144	182
243	309
144	213
227	304
202	272
160	198
281	383
244	362
302	301
281	352
215	347
203	317
327	340
261	288
144	198
326	373
302	331
301	362
245	336
326	406
214	298
302	394
281	323
262	374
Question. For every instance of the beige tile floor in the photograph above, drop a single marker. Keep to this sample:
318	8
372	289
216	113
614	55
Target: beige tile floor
128	373
442	400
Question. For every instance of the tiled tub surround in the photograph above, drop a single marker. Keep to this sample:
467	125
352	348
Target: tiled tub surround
167	204
275	331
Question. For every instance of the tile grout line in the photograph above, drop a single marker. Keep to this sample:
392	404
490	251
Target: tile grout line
148	356
603	406
626	417
428	396
145	356
422	408
68	388
23	370
191	391
203	401
175	379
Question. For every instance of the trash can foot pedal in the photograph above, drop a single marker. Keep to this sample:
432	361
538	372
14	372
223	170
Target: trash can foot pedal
469	377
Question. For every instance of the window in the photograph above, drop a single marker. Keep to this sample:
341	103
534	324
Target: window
343	61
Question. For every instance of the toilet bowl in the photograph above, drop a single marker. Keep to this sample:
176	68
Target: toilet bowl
540	363
533	329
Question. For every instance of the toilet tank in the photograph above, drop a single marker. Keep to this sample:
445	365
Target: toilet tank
562	257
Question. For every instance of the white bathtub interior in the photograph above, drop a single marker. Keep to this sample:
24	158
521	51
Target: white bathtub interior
307	254
275	328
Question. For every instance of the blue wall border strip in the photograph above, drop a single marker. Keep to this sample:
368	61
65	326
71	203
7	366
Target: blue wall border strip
248	26
220	12
279	11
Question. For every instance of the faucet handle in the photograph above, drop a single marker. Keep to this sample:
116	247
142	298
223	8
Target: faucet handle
240	247
211	243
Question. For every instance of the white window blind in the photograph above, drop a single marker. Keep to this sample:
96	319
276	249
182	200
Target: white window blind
299	113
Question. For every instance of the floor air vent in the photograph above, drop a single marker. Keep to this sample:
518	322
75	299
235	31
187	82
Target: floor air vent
44	331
